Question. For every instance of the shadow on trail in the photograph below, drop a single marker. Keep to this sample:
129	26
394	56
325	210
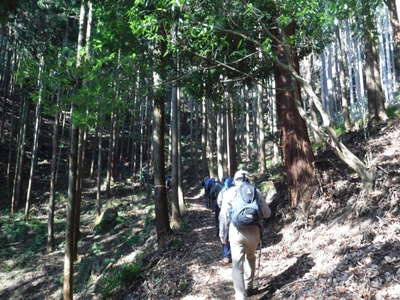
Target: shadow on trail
203	235
302	265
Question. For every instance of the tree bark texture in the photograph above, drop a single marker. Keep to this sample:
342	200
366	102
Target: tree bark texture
160	199
297	153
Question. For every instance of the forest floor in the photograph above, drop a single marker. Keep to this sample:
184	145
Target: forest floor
349	248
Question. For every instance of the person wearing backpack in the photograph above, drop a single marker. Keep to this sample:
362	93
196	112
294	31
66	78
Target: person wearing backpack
208	183
242	212
213	195
226	249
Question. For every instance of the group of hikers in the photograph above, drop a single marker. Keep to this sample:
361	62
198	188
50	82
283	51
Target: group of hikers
239	210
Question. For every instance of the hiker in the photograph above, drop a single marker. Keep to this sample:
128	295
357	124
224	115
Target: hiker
243	229
208	183
226	249
213	196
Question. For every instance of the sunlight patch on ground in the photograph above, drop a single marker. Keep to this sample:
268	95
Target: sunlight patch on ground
203	228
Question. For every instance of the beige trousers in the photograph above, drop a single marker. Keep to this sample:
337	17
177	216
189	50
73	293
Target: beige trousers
243	247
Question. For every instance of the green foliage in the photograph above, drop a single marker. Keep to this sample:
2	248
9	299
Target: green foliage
119	277
317	146
21	240
339	130
265	186
393	111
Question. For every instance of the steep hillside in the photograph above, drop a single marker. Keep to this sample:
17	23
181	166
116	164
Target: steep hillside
349	248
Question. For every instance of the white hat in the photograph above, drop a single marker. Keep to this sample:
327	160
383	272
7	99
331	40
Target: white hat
240	175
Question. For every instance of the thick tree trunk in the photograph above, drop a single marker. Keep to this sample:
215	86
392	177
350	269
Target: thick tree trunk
175	212
70	218
68	290
376	98
327	134
297	153
160	199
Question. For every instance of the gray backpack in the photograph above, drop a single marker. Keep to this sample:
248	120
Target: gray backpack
245	207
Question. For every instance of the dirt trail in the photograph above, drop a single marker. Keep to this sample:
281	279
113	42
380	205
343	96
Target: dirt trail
211	278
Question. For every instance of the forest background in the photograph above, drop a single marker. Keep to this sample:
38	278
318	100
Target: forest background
130	91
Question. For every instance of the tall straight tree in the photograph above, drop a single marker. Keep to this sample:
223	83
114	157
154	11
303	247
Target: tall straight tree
261	127
54	151
230	133
297	152
376	97
175	211
161	206
72	180
38	121
19	161
344	90
394	19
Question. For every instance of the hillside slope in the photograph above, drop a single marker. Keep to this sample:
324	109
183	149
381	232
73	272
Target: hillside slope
350	248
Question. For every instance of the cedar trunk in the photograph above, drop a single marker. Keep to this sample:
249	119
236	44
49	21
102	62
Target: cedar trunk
296	148
160	199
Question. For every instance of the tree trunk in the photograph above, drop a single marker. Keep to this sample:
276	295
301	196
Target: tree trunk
71	204
230	134
181	199
261	128
11	147
175	212
110	156
344	90
51	206
220	153
247	127
19	161
161	206
376	98
204	121
297	153
394	19
38	120
78	191
53	172
327	133
210	143
68	290
99	169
